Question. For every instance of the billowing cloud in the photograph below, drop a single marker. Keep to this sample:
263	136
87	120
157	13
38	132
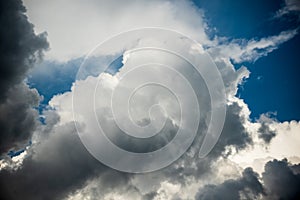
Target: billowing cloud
58	156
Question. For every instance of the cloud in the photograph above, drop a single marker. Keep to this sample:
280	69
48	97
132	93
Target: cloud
179	173
289	7
17	117
234	132
57	165
102	20
20	49
265	131
277	175
283	145
240	50
246	187
281	181
53	168
61	165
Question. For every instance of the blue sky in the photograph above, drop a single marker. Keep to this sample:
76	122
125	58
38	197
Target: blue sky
273	85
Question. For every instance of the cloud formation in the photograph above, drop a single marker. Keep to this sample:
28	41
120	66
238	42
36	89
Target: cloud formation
57	165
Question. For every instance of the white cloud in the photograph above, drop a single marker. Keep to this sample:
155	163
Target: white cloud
284	145
75	27
290	6
241	50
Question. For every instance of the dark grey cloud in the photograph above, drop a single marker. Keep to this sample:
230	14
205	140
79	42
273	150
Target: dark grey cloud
281	180
55	168
291	6
234	132
246	187
20	48
265	132
17	117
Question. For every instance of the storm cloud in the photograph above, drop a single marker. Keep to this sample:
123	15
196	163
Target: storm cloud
281	180
20	49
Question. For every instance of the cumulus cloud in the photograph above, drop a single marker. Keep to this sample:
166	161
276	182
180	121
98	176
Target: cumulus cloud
184	170
20	48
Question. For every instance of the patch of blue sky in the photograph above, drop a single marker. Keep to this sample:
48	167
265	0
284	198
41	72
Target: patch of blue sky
51	78
273	85
14	153
240	19
115	66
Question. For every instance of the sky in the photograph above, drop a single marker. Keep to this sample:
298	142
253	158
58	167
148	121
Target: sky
149	99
